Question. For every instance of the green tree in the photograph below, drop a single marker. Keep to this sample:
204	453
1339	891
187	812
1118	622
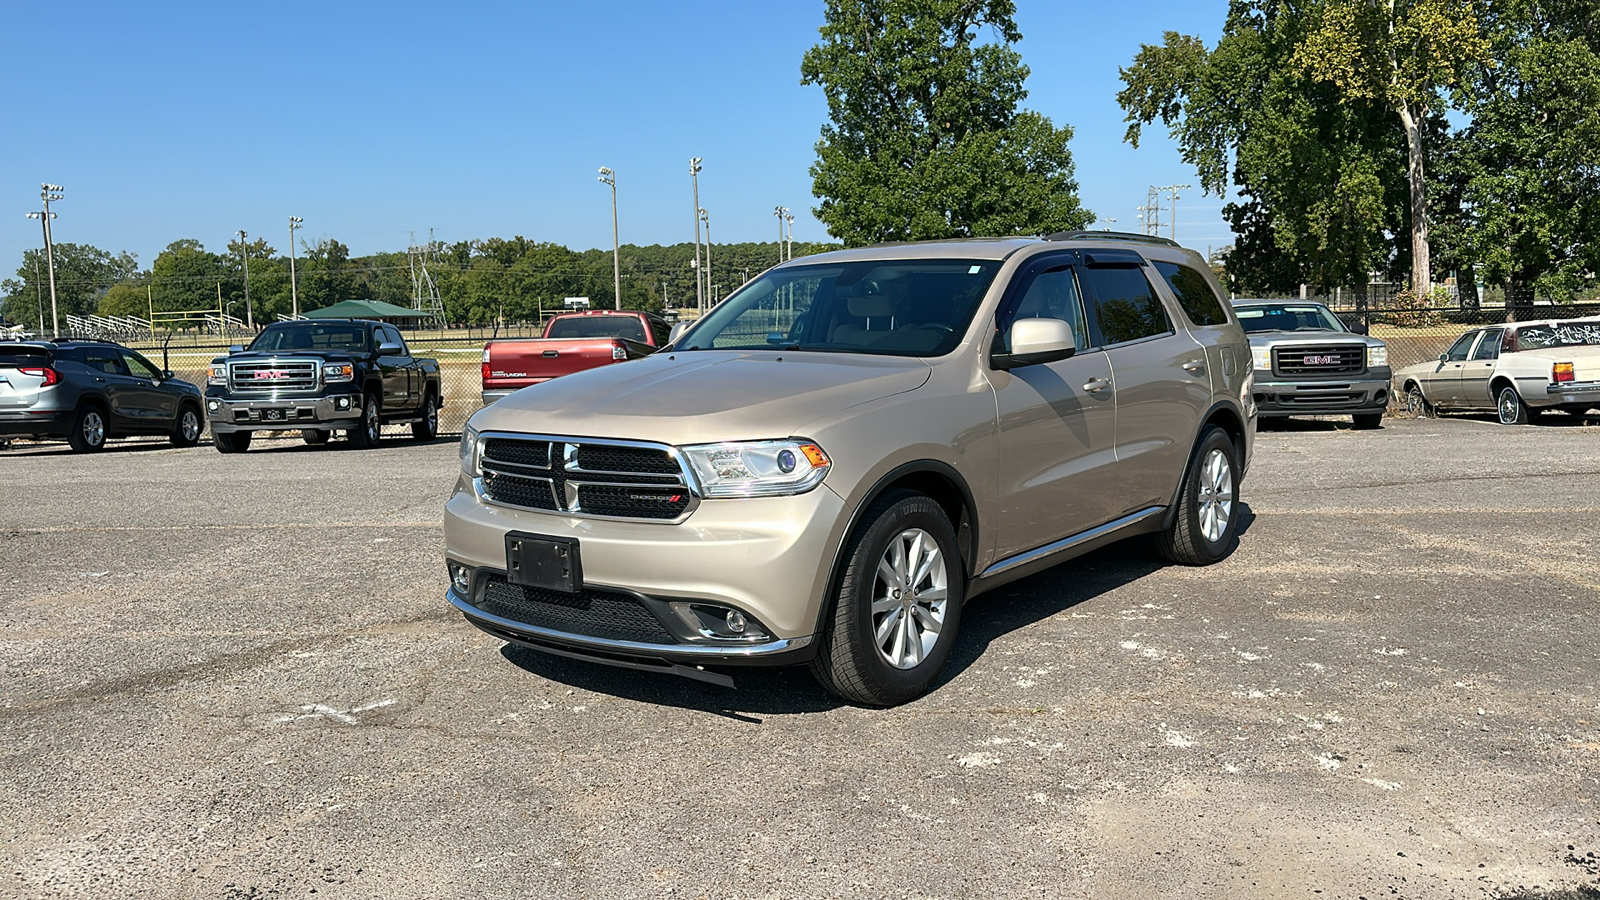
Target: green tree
186	277
83	274
926	139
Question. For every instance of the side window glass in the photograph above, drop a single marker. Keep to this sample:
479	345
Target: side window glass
1194	294
137	365
1489	347
1458	350
1052	294
106	362
661	331
1122	304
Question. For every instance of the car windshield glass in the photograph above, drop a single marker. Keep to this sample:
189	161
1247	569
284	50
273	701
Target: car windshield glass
628	327
1558	334
1287	317
312	336
889	307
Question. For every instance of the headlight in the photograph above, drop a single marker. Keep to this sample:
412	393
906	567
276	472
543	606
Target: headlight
338	373
471	452
1377	356
758	468
1262	357
217	375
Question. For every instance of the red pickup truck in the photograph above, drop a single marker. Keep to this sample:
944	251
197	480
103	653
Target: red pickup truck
572	342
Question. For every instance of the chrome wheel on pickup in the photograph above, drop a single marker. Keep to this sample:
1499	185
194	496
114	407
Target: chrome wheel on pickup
370	430
427	427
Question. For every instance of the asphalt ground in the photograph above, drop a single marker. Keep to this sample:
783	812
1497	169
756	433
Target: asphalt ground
236	677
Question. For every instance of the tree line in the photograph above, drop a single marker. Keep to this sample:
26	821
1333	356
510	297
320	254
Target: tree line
480	282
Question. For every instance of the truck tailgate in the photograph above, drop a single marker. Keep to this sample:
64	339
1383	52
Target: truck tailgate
508	365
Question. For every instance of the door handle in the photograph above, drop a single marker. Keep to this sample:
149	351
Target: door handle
1195	366
1096	385
101	380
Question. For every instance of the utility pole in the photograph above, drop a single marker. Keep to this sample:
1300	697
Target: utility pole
1150	212
38	293
244	250
609	177
49	192
699	293
706	218
294	290
1172	192
779	211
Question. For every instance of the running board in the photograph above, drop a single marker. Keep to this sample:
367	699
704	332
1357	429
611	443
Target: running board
1067	543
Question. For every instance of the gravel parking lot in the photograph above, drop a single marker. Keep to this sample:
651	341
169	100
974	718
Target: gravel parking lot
237	677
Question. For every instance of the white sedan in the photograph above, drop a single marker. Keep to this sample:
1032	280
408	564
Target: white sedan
1518	370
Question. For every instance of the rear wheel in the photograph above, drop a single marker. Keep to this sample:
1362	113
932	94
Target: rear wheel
427	428
186	432
1205	527
1368	421
898	607
231	442
369	430
1509	406
88	430
316	437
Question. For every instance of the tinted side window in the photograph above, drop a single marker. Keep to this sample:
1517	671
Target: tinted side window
1489	347
1122	305
1052	294
1194	294
1458	350
107	361
661	331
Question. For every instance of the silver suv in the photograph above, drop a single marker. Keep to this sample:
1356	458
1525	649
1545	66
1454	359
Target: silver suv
831	462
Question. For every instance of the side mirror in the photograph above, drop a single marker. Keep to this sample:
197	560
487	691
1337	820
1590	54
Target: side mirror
1444	357
1359	327
166	375
1035	341
677	332
388	349
236	348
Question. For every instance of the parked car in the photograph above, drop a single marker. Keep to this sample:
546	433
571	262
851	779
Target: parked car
1308	363
1518	370
830	463
91	391
319	376
572	342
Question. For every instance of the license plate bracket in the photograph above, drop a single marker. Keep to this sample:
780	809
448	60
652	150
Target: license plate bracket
544	561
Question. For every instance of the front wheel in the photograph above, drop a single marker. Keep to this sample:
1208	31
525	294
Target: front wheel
427	427
186	433
898	607
1417	406
88	430
1205	526
1368	421
1510	407
369	430
231	442
316	437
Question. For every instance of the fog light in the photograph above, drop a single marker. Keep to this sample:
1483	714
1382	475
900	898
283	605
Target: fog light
213	405
461	579
341	403
735	620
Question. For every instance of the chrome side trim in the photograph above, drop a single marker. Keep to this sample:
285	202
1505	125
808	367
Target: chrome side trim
1068	543
636	648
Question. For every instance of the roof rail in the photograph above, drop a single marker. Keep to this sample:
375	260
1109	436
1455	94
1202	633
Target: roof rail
1111	236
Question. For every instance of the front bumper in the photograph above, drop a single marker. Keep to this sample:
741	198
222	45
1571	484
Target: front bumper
1369	393
768	558
329	412
42	422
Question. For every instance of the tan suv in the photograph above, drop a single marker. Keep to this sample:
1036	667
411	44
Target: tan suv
838	456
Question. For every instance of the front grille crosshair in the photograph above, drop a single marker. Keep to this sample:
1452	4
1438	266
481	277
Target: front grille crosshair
592	613
586	477
1330	359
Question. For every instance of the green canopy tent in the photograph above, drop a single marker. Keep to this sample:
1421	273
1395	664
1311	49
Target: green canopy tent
370	309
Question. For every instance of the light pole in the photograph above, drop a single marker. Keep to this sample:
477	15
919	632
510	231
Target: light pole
49	192
294	289
706	218
788	218
780	211
244	250
609	177
699	294
1172	193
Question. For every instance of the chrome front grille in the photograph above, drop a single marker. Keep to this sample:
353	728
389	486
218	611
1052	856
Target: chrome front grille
271	376
586	477
1330	359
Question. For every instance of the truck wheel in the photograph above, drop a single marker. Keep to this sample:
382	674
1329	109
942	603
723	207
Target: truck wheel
1368	421
427	428
88	429
898	607
316	437
366	435
1510	407
186	433
1205	528
232	442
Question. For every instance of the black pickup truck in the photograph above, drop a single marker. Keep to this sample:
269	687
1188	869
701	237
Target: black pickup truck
321	376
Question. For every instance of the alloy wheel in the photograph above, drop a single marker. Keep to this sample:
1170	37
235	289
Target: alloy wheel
1216	495
94	429
910	597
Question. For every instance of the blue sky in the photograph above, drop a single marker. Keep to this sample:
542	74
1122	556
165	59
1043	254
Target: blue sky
372	121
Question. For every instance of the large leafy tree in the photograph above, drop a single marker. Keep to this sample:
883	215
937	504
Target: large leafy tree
926	139
83	274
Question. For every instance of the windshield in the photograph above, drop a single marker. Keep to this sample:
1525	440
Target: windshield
1287	317
892	307
628	327
312	336
1558	334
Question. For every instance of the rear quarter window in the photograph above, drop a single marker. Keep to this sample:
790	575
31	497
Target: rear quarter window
24	356
1200	303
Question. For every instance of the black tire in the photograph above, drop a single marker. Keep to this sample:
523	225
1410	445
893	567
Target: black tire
187	430
231	442
316	437
1416	404
1210	492
1509	406
854	659
428	427
89	429
369	431
1368	421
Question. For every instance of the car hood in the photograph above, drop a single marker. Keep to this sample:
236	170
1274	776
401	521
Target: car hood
1309	338
692	397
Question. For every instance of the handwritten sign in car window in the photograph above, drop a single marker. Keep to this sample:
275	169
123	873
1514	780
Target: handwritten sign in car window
1559	334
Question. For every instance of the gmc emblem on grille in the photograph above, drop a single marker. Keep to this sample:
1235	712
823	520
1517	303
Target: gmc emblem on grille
1320	361
271	374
